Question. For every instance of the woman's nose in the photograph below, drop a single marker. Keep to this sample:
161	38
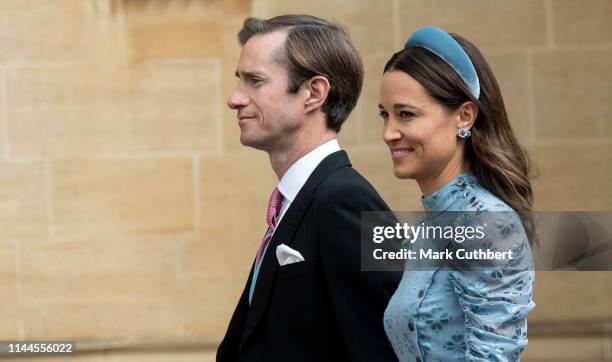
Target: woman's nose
390	132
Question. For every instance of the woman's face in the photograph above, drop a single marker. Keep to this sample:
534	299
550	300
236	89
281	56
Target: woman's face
420	132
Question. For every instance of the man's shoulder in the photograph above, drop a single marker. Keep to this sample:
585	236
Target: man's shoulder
344	178
346	183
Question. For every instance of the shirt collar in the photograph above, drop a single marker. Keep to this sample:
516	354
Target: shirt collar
296	176
445	197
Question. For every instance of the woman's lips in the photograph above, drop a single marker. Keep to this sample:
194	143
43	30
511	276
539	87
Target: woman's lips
398	153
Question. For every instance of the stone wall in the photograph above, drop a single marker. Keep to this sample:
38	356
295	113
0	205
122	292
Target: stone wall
130	213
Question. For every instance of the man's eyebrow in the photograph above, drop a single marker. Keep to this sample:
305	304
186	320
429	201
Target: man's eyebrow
248	74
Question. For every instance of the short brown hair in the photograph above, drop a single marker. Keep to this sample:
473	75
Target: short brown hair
316	47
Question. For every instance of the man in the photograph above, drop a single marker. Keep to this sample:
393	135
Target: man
299	78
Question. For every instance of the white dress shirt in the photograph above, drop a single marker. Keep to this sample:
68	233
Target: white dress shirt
292	181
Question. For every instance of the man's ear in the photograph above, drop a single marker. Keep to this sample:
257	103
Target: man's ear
317	89
466	115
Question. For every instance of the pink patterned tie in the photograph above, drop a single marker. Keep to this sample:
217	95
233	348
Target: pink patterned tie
276	200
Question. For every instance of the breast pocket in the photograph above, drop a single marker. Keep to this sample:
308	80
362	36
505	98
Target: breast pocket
295	269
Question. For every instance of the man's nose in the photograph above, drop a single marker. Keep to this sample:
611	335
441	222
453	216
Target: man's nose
237	99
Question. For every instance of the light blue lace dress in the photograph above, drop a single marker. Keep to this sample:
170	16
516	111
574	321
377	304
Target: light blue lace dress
452	314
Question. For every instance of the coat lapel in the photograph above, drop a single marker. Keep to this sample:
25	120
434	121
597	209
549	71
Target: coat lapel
284	234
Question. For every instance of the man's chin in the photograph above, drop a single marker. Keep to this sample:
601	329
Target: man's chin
252	142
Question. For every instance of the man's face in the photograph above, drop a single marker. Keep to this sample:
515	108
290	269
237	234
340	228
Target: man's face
268	115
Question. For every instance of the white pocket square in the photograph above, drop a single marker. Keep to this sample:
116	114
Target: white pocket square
286	255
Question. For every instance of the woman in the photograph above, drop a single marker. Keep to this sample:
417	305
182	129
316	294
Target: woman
447	128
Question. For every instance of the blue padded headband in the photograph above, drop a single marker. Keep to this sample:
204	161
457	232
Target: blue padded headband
444	46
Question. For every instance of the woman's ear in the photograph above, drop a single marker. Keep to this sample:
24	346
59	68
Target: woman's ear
466	115
317	89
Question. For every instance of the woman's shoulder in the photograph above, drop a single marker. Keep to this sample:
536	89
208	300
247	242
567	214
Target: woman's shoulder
505	227
476	197
480	205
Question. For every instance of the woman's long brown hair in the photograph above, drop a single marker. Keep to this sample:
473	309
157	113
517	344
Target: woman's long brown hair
498	161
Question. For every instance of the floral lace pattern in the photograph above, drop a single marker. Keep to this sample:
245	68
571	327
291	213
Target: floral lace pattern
465	315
